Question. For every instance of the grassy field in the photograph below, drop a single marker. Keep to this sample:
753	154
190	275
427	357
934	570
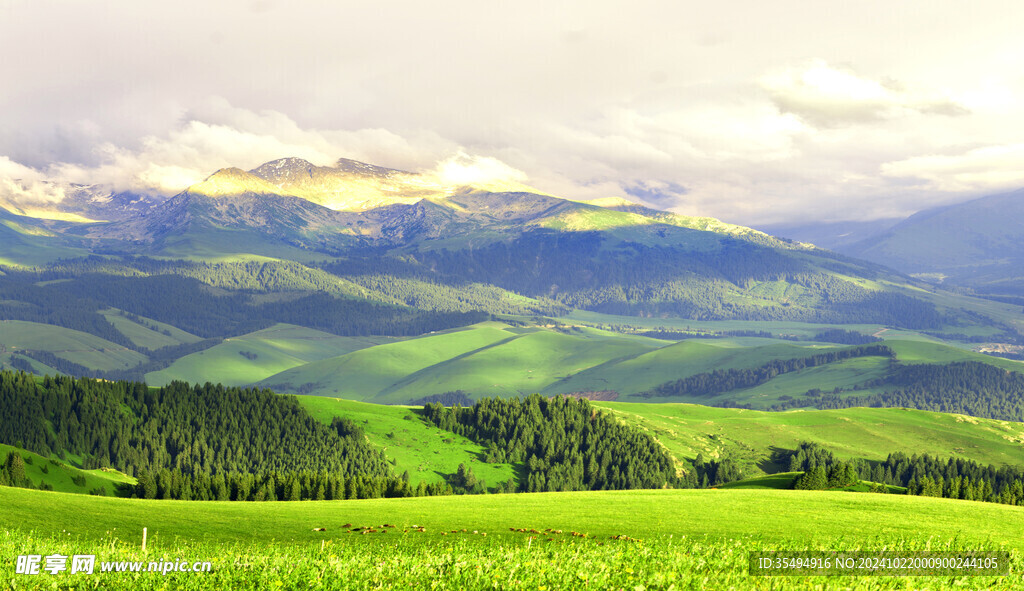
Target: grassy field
427	453
679	360
78	347
872	433
364	374
911	352
60	475
270	351
522	365
494	359
672	539
149	334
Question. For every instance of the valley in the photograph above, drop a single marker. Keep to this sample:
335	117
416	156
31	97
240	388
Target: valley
273	351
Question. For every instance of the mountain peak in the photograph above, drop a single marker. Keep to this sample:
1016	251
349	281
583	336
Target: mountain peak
281	165
232	181
362	168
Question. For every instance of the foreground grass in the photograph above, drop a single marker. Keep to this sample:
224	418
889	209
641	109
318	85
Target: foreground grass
466	561
634	539
795	516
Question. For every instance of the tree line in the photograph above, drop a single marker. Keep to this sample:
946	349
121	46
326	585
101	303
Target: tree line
565	443
924	475
727	380
204	429
962	387
274	486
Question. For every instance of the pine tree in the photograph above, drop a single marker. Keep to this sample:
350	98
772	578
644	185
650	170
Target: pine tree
145	487
16	469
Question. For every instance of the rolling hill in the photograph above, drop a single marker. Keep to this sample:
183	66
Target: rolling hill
750	437
251	357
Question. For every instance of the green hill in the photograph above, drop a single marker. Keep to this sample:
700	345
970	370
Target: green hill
146	332
872	433
486	360
427	453
363	374
61	476
72	345
678	360
251	357
494	359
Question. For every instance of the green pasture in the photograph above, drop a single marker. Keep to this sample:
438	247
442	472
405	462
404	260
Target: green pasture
60	475
143	335
75	346
750	436
426	452
245	359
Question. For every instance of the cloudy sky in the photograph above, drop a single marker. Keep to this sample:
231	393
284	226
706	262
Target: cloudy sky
755	112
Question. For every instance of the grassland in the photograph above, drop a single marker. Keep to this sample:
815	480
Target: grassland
676	539
750	436
487	359
60	475
427	453
75	346
495	359
679	360
148	333
245	359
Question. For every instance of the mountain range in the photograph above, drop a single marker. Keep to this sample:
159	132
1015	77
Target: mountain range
978	244
355	251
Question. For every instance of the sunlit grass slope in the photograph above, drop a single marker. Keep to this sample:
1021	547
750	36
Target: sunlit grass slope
524	364
488	359
680	360
61	475
249	358
802	517
75	346
426	452
872	433
149	334
363	374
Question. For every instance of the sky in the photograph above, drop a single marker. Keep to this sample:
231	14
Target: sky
754	112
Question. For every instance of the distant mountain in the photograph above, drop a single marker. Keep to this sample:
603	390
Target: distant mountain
831	235
396	238
979	244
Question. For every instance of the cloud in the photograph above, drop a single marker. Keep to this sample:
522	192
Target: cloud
463	169
987	168
827	96
22	185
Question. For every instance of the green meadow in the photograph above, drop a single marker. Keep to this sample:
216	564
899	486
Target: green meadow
427	453
75	346
61	476
750	436
660	539
245	359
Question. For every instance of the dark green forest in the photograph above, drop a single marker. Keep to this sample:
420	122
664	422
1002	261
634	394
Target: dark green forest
964	387
217	443
565	443
952	478
194	429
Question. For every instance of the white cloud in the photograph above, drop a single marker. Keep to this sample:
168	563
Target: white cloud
20	184
828	96
789	112
988	168
463	169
